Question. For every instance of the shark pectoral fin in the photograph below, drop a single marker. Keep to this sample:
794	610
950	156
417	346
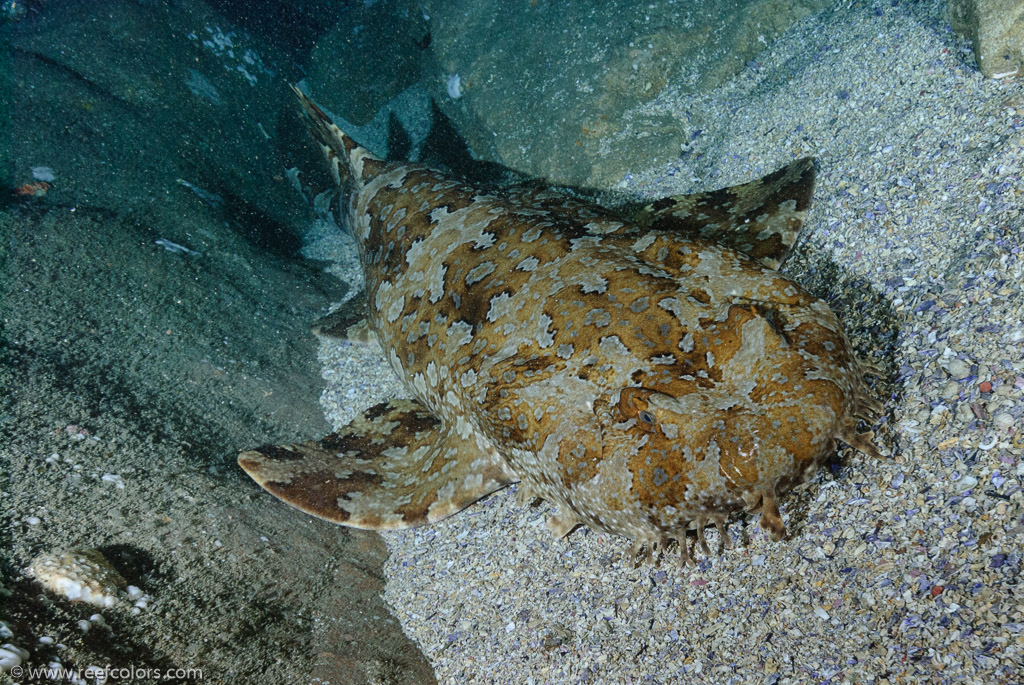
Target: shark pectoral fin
563	522
761	218
395	466
347	322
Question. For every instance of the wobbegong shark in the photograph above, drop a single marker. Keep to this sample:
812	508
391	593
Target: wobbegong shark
648	375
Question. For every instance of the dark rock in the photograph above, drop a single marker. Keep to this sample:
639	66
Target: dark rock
370	56
122	99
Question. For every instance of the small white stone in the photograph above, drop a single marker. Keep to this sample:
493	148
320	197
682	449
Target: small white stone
43	173
113	478
958	368
950	391
11	656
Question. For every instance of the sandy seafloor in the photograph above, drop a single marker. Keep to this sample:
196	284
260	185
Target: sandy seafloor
900	570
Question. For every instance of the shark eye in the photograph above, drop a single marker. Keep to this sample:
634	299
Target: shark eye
647	417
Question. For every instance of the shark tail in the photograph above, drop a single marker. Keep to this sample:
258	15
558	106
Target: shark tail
349	161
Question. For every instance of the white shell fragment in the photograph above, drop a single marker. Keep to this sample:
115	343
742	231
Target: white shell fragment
81	575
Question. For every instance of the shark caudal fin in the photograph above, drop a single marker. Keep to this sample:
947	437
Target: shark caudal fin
761	218
395	466
349	161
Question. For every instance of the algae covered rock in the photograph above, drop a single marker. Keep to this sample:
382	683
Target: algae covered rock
996	30
558	90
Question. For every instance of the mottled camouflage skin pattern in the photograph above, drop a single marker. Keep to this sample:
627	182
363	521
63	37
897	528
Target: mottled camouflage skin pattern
645	380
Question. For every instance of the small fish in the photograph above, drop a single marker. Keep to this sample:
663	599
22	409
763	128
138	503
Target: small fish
648	374
173	247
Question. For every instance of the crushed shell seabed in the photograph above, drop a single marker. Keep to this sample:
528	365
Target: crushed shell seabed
900	570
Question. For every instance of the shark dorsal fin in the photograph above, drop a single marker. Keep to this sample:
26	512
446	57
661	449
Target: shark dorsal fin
762	218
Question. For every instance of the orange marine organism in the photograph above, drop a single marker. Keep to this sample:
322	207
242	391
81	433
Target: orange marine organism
35	189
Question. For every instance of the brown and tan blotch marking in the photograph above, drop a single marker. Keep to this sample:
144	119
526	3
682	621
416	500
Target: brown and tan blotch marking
648	376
